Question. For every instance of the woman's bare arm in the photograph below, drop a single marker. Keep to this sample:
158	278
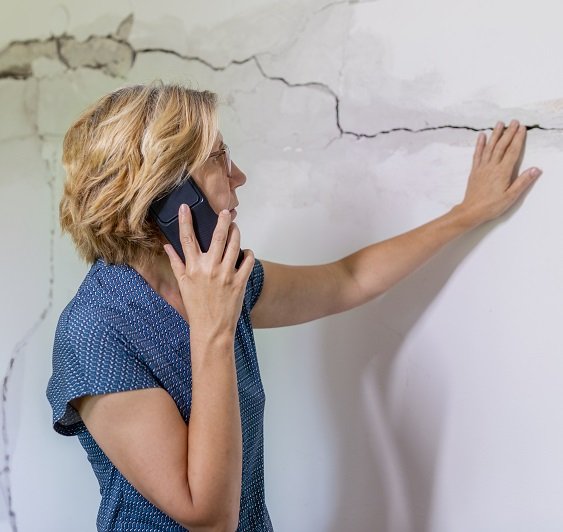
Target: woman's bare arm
297	294
192	472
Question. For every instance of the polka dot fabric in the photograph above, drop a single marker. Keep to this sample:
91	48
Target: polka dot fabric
118	334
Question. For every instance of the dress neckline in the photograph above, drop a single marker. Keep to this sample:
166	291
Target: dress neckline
147	288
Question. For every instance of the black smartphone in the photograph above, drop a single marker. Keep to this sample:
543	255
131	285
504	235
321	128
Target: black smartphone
165	213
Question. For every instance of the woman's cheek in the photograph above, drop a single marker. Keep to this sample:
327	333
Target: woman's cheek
219	201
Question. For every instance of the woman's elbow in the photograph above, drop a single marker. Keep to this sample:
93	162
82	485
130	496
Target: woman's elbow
217	520
219	526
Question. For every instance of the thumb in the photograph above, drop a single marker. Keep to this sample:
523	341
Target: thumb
178	267
524	181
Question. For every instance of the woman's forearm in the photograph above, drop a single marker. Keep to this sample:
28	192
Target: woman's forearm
378	267
215	434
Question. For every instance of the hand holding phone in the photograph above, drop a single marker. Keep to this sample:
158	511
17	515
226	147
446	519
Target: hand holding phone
204	219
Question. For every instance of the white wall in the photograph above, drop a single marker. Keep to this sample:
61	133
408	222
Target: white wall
435	408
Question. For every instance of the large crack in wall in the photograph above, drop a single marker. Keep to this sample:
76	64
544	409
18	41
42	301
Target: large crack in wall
115	56
18	352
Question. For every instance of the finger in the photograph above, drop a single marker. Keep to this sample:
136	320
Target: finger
479	147
505	140
490	146
245	268
524	181
233	246
515	152
178	266
190	245
220	234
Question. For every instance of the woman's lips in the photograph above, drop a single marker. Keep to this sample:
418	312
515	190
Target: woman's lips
233	213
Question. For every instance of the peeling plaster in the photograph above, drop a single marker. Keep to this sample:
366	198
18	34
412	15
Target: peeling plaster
112	53
17	57
113	57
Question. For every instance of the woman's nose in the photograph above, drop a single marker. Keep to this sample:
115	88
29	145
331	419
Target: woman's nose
238	177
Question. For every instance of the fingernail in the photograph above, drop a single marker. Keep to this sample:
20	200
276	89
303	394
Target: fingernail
536	172
225	211
183	209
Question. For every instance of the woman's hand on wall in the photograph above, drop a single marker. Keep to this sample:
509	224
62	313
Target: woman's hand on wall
494	184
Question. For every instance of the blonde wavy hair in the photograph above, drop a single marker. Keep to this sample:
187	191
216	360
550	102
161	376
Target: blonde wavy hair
123	152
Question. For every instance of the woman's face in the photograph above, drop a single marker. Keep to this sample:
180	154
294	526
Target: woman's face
218	187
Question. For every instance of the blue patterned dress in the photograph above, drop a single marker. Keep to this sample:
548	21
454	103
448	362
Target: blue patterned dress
118	334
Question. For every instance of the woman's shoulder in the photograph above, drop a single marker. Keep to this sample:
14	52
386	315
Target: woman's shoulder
109	292
95	349
97	307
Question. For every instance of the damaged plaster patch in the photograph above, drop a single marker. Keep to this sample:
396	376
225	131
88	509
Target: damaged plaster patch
112	56
17	57
108	54
112	53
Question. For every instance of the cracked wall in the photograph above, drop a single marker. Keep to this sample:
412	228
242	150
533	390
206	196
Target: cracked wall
433	408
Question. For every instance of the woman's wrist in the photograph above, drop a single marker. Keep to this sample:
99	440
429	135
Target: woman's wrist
465	217
205	336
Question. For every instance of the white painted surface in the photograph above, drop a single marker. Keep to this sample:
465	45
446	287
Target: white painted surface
435	408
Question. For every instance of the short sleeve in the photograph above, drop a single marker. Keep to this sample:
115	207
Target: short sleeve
90	357
254	285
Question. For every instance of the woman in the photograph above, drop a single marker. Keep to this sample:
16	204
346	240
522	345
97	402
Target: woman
154	363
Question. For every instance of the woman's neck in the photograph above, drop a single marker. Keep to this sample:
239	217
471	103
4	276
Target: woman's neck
160	277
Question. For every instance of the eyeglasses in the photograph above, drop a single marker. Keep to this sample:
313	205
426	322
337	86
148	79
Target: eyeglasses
227	153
